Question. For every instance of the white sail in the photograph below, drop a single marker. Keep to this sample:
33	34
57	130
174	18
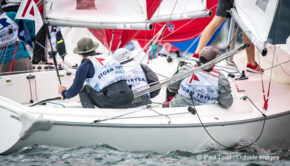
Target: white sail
257	15
115	14
179	10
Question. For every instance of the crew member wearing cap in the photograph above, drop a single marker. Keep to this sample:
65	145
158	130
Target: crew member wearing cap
203	87
106	80
139	76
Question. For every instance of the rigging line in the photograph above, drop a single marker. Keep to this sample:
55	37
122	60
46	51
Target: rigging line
183	75
237	69
167	21
184	25
2	63
61	60
219	66
151	41
233	37
282	68
119	42
117	117
154	29
2	53
111	43
250	75
168	117
193	42
229	72
266	98
173	8
246	97
147	116
161	75
53	57
216	141
12	63
34	70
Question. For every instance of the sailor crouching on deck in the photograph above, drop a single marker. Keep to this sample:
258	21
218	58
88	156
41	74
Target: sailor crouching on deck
107	86
139	76
203	87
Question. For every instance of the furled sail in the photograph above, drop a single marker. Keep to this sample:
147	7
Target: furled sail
109	14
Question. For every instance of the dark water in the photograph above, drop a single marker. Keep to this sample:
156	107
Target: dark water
106	155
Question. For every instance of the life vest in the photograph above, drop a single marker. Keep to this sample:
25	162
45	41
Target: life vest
107	72
202	86
136	77
8	31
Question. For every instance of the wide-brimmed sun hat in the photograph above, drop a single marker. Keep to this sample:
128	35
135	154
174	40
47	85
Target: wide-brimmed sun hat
85	45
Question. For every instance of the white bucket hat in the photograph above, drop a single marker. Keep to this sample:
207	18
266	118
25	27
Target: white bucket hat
122	55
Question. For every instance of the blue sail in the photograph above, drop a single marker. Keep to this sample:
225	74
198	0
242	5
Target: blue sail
191	45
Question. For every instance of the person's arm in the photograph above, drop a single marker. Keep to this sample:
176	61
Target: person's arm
85	70
225	98
209	31
173	88
151	78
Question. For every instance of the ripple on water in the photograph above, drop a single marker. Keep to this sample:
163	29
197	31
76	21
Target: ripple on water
107	155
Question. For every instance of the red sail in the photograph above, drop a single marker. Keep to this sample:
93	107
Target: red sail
177	31
119	38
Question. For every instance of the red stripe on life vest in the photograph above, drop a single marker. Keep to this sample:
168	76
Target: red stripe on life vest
26	8
100	60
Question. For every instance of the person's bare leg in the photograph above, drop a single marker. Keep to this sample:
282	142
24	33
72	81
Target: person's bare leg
250	50
209	31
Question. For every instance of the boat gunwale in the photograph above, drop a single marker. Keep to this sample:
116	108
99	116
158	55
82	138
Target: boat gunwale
214	124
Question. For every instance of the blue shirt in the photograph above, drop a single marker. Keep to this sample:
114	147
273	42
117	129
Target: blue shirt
6	53
84	71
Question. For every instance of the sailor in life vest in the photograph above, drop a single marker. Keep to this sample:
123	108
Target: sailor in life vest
106	79
139	77
203	87
14	55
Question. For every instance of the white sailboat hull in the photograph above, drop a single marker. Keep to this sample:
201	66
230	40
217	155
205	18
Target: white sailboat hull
159	130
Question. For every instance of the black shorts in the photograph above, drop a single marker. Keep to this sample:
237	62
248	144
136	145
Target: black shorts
223	7
115	95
